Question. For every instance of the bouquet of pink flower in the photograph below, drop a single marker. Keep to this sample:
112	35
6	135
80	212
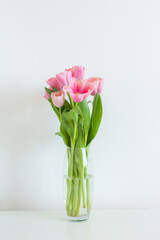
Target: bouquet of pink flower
67	94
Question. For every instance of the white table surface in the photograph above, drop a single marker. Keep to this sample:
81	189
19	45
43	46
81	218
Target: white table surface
102	224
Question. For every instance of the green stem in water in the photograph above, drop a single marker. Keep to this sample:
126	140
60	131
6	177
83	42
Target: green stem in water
87	184
87	190
71	198
83	195
75	197
70	175
80	160
75	190
79	198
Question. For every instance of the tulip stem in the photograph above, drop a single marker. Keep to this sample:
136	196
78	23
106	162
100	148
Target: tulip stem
60	114
78	183
76	104
72	103
70	99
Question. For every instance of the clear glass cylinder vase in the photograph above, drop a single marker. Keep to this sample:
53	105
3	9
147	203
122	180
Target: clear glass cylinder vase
78	183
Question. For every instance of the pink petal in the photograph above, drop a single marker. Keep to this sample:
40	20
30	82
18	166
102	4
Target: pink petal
67	89
86	86
77	97
61	78
100	85
79	89
73	84
58	98
53	82
98	82
85	95
77	72
68	76
46	95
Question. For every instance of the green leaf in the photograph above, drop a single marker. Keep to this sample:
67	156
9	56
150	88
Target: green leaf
66	106
64	134
58	134
79	140
80	143
55	89
96	117
71	119
86	115
69	127
70	99
80	157
78	110
49	91
55	109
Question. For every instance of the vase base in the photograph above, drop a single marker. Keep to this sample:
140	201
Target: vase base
79	218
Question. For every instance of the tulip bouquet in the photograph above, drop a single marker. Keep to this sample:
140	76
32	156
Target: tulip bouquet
67	94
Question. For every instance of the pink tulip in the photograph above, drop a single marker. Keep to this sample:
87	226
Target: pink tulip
60	81
63	78
58	98
98	83
77	72
46	95
79	89
53	82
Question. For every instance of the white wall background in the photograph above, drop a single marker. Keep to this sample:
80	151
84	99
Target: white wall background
118	40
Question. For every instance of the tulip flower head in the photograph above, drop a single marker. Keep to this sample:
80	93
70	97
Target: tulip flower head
72	81
79	89
58	98
60	80
98	83
77	72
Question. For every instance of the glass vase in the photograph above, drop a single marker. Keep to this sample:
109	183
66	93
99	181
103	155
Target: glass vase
78	183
